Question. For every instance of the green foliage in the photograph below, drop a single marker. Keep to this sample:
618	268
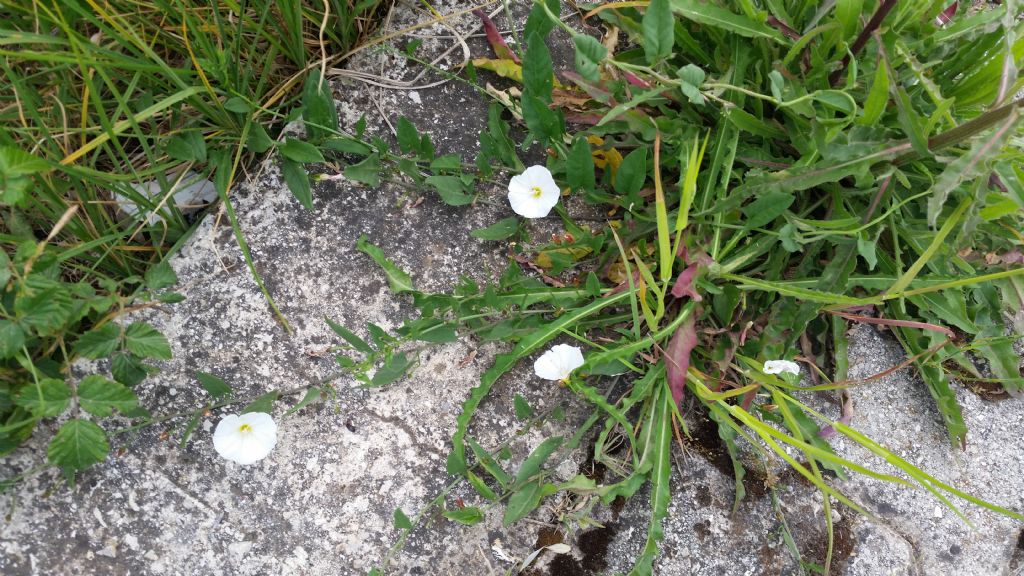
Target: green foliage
833	174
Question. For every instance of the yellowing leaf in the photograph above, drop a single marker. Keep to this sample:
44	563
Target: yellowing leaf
543	259
502	67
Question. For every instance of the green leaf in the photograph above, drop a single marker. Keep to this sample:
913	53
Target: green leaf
348	336
145	341
297	179
318	112
522	408
538	73
446	162
579	166
533	463
589	55
398	279
258	140
866	249
12	339
632	172
237	104
264	403
691	78
367	171
481	487
43	305
312	395
543	122
402	521
77	445
499	230
393	369
451	189
490	464
187	146
659	31
878	97
128	369
408	136
711	15
47	397
468	516
16	162
522	502
766	209
160	276
347	145
299	151
100	396
213	385
538	22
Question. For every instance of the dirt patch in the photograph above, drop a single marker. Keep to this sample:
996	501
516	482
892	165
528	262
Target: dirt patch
842	547
593	544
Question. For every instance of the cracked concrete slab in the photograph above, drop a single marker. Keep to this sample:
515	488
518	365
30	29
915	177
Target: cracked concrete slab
322	503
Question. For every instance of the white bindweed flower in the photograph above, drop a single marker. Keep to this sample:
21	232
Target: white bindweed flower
247	438
533	193
781	367
558	362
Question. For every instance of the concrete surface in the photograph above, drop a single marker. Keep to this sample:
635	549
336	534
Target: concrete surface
322	503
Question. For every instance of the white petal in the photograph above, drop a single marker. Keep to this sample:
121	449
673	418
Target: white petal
522	194
558	362
247	438
781	367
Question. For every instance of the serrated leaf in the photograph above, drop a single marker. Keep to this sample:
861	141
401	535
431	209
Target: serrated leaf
12	339
100	396
145	341
77	445
213	385
160	276
398	279
499	230
128	369
47	397
43	305
297	179
658	29
468	516
878	97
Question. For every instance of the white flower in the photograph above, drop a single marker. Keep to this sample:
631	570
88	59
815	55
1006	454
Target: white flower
533	193
247	438
559	362
781	367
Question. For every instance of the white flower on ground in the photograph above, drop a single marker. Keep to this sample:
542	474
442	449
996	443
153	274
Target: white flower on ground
533	193
558	362
781	367
247	438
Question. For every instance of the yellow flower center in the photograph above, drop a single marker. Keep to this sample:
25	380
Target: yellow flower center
245	428
536	191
